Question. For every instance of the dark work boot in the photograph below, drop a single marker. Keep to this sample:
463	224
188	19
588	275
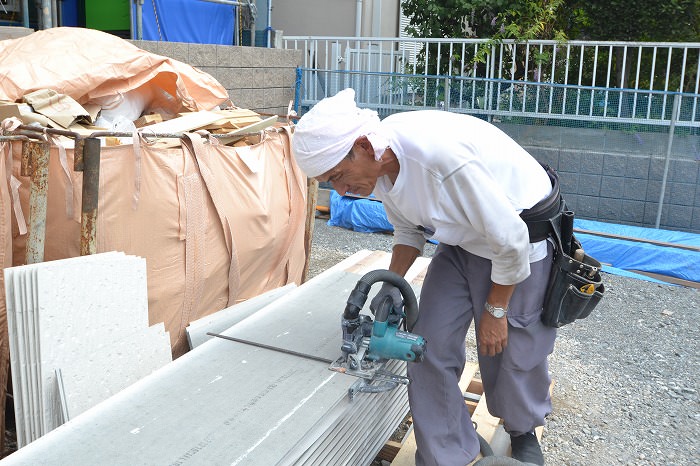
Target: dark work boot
526	448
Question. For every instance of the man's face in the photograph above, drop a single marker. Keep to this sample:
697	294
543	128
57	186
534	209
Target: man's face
356	174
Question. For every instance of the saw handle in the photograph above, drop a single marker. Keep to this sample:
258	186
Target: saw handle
358	296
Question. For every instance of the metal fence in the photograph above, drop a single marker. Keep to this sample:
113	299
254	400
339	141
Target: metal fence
624	82
620	120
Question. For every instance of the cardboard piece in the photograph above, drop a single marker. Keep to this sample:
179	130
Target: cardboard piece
59	108
22	111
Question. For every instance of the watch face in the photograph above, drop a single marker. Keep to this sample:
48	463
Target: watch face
497	312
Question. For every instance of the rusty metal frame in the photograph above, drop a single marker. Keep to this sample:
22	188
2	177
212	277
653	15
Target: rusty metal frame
35	165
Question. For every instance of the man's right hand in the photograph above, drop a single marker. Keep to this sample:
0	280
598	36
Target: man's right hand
390	290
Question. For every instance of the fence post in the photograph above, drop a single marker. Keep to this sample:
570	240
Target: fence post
671	130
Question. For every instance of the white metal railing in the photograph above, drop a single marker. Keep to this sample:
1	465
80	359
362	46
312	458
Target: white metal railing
611	81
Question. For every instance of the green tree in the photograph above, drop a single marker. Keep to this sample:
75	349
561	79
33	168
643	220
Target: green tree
636	20
492	19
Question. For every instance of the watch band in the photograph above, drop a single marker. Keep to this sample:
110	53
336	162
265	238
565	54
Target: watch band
497	312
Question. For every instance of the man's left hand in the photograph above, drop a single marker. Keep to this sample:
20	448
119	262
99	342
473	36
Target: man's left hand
493	334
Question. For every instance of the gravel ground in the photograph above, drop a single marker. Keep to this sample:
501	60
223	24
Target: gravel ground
626	378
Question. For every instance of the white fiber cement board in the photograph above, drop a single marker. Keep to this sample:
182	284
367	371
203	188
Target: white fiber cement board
218	404
242	405
225	318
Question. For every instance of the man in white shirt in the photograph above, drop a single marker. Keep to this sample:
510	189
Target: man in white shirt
462	182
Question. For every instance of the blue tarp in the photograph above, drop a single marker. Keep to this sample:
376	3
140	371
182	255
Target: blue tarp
368	216
364	215
192	21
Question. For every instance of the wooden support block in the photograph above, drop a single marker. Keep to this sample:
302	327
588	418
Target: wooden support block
389	450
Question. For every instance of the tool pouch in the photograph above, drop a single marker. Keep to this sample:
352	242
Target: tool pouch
575	286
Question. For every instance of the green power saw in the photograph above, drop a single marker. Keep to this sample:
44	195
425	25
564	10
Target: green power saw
369	345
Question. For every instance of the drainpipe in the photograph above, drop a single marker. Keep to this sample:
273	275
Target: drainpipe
358	18
25	13
269	23
139	19
46	14
54	13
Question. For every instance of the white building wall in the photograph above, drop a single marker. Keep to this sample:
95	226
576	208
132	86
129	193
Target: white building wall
379	18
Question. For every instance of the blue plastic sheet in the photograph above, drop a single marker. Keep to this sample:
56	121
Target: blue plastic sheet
192	21
364	215
617	255
638	255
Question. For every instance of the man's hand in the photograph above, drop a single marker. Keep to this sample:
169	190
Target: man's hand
493	334
390	290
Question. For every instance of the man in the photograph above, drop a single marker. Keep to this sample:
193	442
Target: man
461	181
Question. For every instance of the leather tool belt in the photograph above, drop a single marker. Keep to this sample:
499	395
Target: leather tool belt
575	286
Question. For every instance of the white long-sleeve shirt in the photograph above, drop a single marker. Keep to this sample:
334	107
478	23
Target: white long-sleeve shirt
465	181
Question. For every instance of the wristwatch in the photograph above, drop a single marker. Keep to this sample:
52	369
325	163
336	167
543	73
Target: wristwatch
497	312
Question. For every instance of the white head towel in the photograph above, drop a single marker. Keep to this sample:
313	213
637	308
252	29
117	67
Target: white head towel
325	135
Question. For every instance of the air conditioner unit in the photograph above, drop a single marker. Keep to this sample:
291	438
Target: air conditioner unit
11	6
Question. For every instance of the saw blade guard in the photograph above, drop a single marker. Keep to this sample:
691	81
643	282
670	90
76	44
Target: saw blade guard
358	296
386	341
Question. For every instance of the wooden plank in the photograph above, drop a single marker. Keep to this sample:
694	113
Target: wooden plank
668	279
686	247
236	135
311	196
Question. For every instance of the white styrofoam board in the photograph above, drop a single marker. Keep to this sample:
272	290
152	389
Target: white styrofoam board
84	307
225	318
12	324
71	283
33	349
113	367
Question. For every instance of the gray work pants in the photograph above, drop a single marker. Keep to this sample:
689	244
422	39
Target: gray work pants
516	381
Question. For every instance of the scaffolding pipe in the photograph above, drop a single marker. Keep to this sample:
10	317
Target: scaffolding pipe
35	165
91	185
671	130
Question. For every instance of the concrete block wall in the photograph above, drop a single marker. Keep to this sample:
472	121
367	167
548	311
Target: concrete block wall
256	78
616	177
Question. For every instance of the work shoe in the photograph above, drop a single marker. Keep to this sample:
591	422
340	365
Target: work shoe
526	448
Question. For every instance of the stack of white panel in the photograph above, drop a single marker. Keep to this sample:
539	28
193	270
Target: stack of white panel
78	331
231	403
221	320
